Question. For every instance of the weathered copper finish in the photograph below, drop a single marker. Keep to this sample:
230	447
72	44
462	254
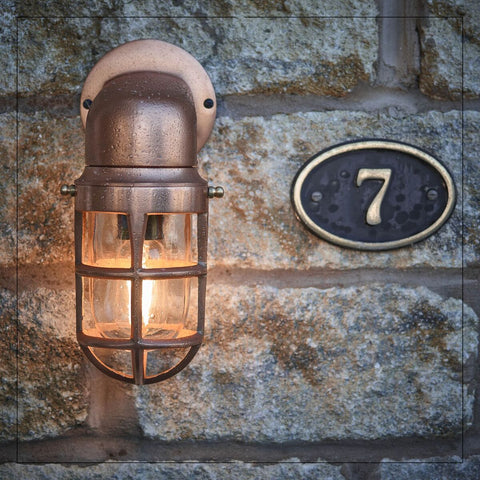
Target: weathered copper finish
155	56
174	190
142	119
141	160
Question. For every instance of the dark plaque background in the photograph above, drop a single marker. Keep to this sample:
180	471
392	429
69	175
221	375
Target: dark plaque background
415	198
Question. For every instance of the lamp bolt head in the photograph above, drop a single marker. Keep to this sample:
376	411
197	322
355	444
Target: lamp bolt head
68	190
215	192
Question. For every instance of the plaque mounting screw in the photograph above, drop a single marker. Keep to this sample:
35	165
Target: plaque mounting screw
316	196
432	194
68	190
215	192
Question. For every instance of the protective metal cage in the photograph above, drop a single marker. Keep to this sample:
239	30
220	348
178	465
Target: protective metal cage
143	116
184	192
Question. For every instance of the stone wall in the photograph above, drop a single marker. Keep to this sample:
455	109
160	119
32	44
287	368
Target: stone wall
319	362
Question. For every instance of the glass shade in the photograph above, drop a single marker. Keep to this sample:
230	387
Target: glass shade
107	303
106	307
117	360
106	240
168	241
165	303
163	360
169	308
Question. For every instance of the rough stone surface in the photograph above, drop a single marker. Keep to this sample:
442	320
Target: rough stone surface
51	153
256	159
441	42
197	8
185	471
471	53
52	392
8	368
8	64
441	58
7	191
309	365
8	317
471	151
451	468
242	56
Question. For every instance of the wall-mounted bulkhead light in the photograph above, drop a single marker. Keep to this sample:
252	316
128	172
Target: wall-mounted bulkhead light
141	211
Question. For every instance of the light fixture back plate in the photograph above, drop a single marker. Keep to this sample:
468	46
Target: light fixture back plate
155	56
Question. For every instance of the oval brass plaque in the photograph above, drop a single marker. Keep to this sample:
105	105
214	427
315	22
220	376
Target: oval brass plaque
373	194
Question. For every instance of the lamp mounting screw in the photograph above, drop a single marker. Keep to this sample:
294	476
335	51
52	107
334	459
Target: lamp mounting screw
215	192
87	104
68	190
208	103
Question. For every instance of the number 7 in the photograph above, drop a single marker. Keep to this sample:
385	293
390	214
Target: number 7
373	212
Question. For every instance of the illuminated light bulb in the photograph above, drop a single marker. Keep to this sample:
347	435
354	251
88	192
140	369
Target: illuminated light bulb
153	253
165	302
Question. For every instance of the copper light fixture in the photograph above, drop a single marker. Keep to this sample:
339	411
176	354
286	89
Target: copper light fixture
141	211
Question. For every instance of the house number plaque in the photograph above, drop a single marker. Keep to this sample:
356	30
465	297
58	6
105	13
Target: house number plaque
373	194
